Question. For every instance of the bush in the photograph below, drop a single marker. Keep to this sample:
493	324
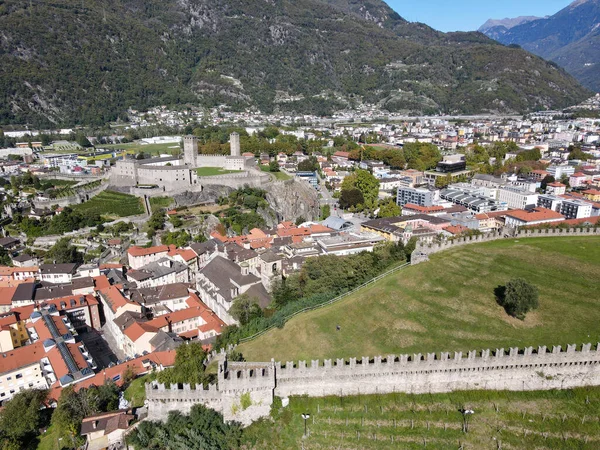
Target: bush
518	297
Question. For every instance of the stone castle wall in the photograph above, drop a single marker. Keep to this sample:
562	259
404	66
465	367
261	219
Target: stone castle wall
80	196
514	370
549	232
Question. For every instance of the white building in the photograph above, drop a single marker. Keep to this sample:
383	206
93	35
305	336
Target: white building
516	198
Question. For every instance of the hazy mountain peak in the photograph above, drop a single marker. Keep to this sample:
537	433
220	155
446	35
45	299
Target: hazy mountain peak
508	23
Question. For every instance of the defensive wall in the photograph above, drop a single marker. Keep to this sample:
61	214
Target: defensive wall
81	195
429	249
245	391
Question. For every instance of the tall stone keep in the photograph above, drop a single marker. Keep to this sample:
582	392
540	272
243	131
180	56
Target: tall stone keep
234	141
190	151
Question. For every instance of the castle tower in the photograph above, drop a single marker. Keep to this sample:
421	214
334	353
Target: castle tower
234	141
190	151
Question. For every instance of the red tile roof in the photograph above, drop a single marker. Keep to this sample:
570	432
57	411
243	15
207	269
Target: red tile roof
456	229
137	329
141	251
22	356
535	215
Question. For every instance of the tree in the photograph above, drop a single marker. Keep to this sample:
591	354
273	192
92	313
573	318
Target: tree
21	417
350	198
389	209
64	252
518	297
308	165
273	166
244	309
83	140
546	181
202	429
366	183
189	366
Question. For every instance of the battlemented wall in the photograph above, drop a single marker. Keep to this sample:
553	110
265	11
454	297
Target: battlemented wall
514	370
549	232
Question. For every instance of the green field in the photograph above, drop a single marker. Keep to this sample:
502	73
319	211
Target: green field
160	202
278	175
448	304
502	420
212	171
113	204
151	149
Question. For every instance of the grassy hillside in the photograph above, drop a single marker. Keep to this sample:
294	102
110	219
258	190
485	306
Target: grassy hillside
448	304
502	420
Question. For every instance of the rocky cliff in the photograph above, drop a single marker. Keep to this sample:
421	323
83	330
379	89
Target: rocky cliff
293	199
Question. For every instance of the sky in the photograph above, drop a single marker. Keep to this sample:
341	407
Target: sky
469	15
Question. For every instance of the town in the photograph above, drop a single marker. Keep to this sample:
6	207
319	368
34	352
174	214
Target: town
116	253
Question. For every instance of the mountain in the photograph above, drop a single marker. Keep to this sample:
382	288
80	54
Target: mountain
571	38
68	62
494	28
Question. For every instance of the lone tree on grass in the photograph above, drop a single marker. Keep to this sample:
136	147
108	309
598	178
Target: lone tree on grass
518	297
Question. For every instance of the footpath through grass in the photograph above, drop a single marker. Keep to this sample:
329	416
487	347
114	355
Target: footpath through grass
502	420
448	304
113	204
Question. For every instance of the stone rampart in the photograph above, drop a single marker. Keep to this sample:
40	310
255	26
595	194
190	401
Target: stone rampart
81	195
429	249
245	391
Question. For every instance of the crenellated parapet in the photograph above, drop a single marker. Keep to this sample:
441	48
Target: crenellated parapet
428	249
517	369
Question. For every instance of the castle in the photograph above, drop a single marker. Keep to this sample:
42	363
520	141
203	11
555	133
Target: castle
174	173
258	383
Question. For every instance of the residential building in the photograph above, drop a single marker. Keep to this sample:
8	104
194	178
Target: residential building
222	280
571	208
106	430
556	188
516	198
416	196
592	194
535	216
158	273
578	179
139	256
57	273
349	244
559	171
472	199
13	332
452	164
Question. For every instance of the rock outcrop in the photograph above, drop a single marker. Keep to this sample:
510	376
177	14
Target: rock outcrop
292	199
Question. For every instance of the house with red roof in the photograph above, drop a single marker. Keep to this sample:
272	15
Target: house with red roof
535	216
140	256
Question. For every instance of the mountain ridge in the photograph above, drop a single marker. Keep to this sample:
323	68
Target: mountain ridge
569	37
71	62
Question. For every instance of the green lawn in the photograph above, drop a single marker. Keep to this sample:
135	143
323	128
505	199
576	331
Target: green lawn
279	175
160	202
114	204
152	149
212	171
135	392
502	420
448	304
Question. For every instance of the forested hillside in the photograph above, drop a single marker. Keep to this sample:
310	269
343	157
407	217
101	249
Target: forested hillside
65	62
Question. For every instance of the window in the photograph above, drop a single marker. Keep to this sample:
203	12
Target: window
19	375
